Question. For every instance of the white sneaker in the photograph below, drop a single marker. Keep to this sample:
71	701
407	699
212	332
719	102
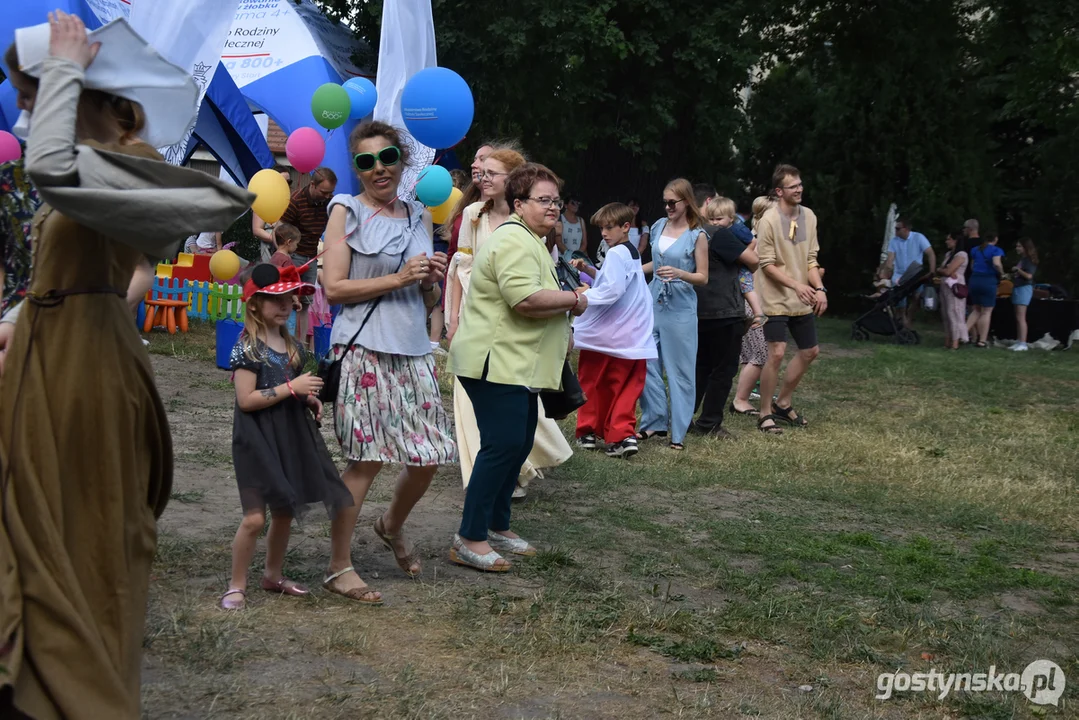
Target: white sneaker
625	449
754	395
588	442
1020	347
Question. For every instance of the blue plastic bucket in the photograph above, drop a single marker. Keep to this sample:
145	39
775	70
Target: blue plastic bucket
228	332
322	340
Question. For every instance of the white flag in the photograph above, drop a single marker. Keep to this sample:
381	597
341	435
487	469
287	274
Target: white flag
407	46
189	33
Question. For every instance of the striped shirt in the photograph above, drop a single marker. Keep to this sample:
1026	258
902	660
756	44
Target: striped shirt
310	217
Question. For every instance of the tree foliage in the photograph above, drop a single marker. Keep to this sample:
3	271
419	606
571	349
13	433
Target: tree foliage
875	108
950	108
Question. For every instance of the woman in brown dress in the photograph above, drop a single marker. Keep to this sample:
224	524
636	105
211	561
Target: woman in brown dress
85	451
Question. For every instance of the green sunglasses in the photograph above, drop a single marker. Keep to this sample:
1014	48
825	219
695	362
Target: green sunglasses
388	156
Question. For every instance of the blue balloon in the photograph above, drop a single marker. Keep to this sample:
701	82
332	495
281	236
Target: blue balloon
437	107
363	95
434	186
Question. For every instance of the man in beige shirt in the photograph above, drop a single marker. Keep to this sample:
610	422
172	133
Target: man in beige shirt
790	287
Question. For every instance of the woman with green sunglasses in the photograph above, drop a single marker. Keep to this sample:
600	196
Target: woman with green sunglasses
381	266
387	157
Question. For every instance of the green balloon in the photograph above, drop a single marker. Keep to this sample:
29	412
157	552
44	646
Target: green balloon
331	106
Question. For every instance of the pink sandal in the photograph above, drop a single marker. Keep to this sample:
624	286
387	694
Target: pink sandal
285	587
240	604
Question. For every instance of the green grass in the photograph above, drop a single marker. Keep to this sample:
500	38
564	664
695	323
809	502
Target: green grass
197	343
926	519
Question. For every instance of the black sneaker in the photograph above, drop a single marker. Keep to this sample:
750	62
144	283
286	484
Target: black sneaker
587	442
626	448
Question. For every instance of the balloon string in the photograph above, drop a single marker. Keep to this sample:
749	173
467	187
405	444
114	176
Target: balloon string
396	197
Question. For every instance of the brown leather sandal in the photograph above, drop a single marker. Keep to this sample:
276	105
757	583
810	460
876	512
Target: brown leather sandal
285	587
363	595
406	562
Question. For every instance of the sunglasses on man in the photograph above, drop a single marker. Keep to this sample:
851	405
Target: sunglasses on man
387	156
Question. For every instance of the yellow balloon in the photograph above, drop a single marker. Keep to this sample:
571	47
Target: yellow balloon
273	195
224	265
441	213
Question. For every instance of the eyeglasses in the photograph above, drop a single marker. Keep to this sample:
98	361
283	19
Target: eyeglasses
794	187
546	202
388	156
490	174
672	204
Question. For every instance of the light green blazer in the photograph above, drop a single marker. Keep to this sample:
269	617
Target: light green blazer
512	265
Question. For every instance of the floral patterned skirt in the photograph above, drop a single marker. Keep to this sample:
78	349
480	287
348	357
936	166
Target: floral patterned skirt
754	348
389	409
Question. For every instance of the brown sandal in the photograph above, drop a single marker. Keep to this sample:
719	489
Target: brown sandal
364	595
285	587
407	562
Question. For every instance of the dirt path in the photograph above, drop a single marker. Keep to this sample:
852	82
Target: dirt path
625	615
205	502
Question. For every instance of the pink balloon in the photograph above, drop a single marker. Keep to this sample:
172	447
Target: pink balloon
10	149
305	149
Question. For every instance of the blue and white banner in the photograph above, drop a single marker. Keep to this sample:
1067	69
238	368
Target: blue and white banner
279	52
189	33
406	46
225	123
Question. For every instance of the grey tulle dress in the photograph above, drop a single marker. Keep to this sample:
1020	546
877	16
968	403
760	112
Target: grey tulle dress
280	458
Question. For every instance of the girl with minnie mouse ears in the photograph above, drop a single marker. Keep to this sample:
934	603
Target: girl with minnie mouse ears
280	459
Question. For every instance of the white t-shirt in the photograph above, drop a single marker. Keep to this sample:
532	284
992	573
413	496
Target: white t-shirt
618	320
601	252
635	235
665	242
207	240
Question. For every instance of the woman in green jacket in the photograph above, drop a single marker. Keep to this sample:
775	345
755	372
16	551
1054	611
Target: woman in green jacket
512	338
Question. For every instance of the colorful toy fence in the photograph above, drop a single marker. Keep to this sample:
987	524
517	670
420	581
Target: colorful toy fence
209	301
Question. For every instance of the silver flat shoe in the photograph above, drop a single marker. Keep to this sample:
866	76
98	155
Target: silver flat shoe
488	562
514	546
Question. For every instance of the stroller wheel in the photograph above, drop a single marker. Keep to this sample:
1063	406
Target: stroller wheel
859	333
906	336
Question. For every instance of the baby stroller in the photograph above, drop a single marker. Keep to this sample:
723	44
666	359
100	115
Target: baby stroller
883	318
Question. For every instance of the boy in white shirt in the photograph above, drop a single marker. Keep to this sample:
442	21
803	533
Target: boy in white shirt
614	336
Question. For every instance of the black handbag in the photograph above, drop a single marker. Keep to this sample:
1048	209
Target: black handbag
558	404
329	369
568	276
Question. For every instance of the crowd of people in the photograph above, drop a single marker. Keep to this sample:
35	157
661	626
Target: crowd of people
967	280
509	276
